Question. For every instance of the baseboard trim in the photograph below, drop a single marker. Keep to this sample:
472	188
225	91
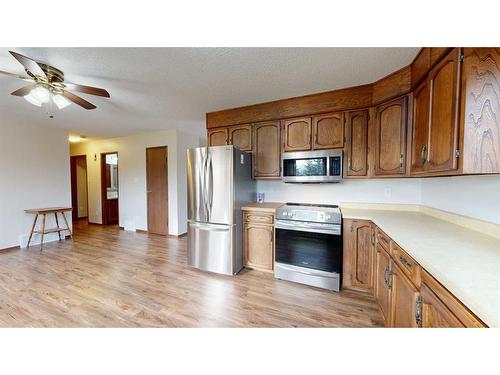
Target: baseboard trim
11	248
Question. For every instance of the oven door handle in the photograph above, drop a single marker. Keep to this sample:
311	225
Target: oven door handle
306	272
306	228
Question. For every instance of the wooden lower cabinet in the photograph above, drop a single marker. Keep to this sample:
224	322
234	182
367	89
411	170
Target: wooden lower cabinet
359	240
405	300
408	296
258	241
382	289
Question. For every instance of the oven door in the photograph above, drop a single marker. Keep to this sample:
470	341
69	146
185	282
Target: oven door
309	245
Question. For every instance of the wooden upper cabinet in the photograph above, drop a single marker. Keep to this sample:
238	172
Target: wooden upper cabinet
444	104
297	134
358	254
390	140
267	150
381	287
218	137
328	131
420	130
420	66
481	110
241	137
356	128
405	300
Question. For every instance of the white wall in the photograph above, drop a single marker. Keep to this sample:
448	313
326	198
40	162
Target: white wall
373	191
132	176
474	196
34	172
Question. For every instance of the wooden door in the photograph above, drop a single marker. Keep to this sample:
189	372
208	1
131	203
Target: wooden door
267	150
420	129
481	110
358	255
258	246
328	131
381	287
357	143
218	137
109	189
157	189
404	300
297	134
241	137
444	81
435	314
390	140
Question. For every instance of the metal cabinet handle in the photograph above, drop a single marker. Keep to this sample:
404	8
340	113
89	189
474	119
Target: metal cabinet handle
405	262
386	277
418	311
401	161
424	154
389	279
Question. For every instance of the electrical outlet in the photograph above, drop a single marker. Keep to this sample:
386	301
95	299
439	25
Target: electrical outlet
387	192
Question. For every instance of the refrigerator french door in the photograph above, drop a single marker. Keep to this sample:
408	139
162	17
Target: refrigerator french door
219	182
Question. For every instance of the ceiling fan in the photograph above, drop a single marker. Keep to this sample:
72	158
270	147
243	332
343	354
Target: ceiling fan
47	83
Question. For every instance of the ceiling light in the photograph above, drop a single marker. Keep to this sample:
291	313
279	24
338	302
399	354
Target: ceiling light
31	99
74	138
41	94
60	101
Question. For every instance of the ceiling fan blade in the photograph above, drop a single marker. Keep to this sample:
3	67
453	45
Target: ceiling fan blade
87	89
7	74
23	91
77	100
29	64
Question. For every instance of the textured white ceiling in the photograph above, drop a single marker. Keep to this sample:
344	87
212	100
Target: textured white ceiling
161	88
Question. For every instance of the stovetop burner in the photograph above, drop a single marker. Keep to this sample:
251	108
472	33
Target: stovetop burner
312	205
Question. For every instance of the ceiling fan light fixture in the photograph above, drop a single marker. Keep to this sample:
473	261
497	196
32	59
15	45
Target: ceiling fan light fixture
60	101
41	94
31	99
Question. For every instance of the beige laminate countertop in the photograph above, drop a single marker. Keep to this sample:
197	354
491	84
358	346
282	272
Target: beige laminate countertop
465	261
264	207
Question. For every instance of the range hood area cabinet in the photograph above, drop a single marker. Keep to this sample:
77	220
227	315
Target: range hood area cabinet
438	116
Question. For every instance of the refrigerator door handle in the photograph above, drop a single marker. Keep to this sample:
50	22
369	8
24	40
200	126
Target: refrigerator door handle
210	190
205	185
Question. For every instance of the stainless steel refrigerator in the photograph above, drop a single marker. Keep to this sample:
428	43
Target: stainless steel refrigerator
219	182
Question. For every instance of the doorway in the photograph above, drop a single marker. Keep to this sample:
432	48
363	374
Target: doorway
157	189
79	188
109	188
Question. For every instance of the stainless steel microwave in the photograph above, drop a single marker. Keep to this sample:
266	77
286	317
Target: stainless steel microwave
312	166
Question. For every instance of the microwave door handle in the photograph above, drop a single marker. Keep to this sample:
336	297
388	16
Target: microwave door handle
328	166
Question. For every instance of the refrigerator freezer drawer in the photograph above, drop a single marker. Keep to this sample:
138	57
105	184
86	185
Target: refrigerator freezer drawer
211	247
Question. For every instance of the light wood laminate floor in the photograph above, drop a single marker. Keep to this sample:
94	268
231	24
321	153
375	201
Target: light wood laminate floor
107	277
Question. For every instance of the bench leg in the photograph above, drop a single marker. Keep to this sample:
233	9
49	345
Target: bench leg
43	231
32	230
67	226
57	224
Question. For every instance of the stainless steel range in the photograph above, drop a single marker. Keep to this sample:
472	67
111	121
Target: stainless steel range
309	245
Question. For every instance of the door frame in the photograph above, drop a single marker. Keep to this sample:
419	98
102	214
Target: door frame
147	185
74	185
104	195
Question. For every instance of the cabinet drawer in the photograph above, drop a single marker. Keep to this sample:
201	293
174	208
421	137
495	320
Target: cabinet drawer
407	264
258	218
383	240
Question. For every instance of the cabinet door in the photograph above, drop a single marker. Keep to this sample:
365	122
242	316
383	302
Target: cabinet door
390	141
420	131
382	291
241	137
357	143
404	300
258	246
358	255
443	133
218	137
266	153
297	134
435	314
328	131
481	115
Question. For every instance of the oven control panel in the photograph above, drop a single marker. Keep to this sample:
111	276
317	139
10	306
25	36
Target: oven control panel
317	216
